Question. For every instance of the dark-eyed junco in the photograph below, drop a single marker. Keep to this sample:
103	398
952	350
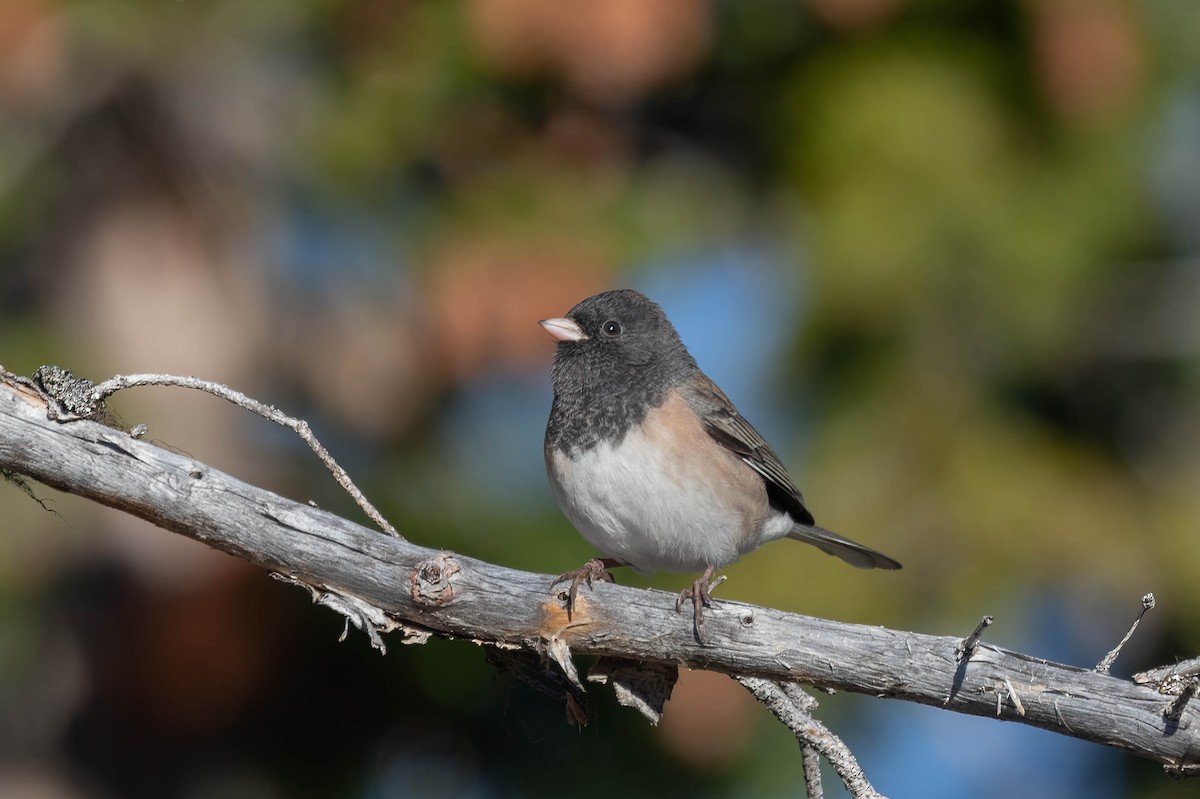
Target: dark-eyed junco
651	462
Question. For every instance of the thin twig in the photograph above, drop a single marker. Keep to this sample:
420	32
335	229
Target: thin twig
101	391
1104	665
797	717
966	648
810	757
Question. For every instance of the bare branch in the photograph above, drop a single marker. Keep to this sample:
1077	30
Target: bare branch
812	772
966	649
78	398
796	715
810	756
1104	665
457	596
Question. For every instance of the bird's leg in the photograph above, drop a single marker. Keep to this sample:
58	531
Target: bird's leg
594	569
701	598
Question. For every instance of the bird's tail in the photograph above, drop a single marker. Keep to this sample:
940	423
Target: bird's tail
852	552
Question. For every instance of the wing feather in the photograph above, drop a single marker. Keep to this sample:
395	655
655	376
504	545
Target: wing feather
730	429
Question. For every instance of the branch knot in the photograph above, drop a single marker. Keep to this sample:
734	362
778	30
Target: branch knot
432	583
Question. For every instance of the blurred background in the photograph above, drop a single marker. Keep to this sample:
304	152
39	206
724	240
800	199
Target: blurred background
945	255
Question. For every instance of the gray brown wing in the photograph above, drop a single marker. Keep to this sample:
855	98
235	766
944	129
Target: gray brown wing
730	429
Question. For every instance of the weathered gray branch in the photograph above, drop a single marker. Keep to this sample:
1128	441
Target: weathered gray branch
391	583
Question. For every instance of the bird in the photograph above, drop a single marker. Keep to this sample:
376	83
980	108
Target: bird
651	462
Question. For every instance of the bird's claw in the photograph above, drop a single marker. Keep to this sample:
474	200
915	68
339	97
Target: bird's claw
699	592
594	569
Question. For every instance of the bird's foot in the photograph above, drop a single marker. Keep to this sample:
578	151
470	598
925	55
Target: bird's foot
594	569
701	597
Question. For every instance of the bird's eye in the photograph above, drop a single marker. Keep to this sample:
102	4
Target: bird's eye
611	328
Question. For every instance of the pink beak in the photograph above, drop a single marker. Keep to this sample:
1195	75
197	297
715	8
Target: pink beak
563	329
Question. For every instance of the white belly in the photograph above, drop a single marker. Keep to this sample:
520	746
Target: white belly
654	511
